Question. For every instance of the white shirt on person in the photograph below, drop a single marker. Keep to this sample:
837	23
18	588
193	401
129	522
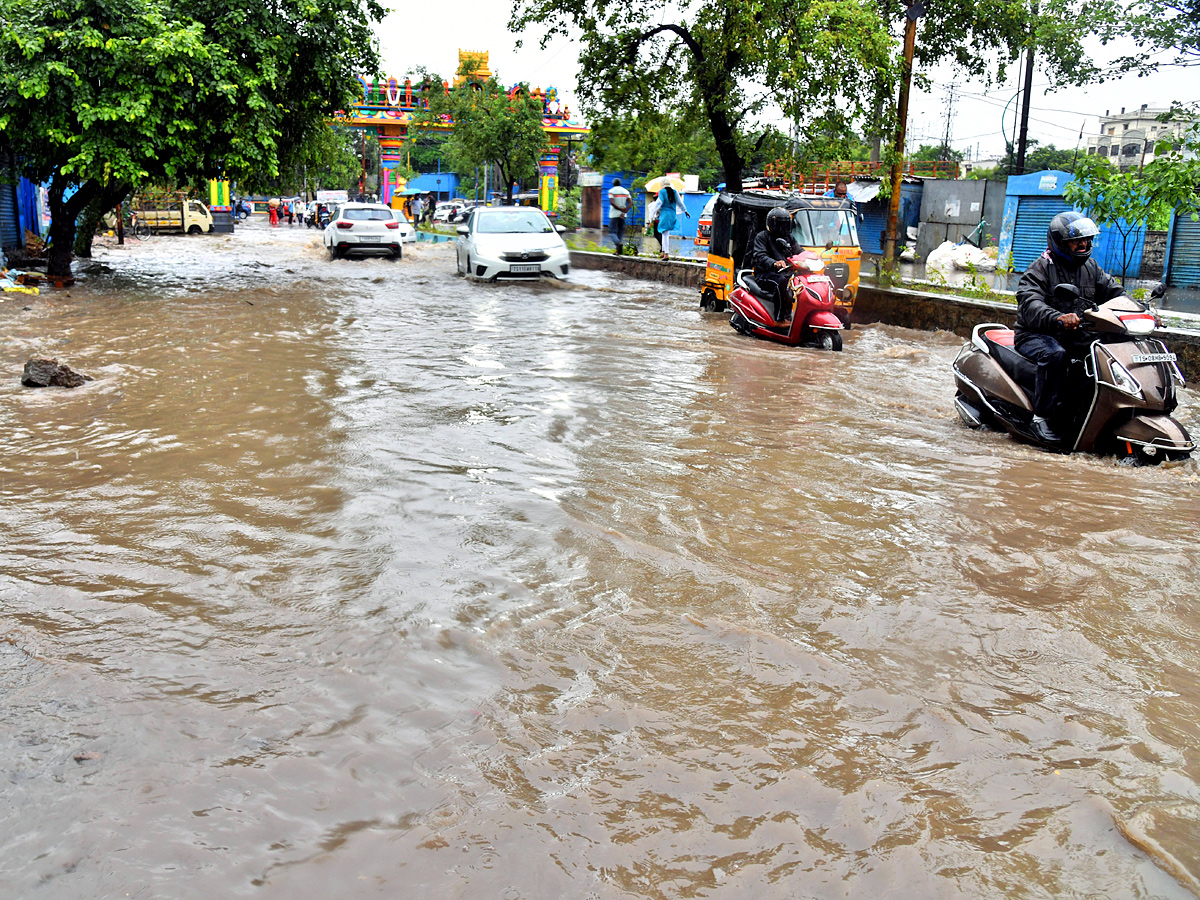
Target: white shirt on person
618	193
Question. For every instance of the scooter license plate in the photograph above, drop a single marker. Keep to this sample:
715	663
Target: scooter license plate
1152	357
369	238
523	269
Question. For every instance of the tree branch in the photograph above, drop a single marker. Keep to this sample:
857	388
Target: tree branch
683	34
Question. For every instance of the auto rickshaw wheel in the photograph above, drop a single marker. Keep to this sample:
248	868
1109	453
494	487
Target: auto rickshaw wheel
709	301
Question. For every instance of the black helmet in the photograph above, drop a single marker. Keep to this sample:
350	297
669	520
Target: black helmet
779	223
1070	226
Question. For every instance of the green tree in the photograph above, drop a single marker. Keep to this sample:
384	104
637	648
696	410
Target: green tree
819	61
936	153
1129	200
654	142
714	57
100	96
493	125
328	160
1163	27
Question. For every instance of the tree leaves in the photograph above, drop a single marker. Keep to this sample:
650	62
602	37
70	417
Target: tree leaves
492	126
737	64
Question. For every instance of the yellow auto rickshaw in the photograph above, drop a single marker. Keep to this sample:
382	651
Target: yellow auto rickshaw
825	225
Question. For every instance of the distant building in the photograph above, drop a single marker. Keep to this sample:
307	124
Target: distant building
967	166
1128	138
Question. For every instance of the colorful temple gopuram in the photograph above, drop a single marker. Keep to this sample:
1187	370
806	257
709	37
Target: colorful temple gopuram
388	109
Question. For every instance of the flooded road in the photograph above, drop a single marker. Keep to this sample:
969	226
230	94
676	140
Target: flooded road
355	579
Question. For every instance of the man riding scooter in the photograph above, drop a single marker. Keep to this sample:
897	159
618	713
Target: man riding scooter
769	255
1048	322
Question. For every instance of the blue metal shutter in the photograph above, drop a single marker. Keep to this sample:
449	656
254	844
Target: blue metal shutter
636	217
10	229
1185	253
872	226
1029	232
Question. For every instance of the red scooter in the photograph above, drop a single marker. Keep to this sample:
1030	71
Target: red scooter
813	320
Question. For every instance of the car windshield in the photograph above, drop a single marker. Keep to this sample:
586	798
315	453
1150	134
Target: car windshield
515	221
818	227
367	215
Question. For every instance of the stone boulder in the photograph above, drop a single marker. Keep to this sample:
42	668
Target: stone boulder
48	372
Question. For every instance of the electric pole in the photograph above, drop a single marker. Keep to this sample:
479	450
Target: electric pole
915	11
1028	90
949	122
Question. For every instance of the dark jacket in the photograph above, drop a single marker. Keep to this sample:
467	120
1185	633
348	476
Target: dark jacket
765	252
1037	307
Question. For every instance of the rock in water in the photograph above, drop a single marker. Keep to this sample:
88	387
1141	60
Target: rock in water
47	372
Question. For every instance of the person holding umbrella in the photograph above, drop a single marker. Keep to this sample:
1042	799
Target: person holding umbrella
666	207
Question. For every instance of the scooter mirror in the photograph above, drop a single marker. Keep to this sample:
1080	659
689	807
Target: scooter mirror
1067	292
1157	291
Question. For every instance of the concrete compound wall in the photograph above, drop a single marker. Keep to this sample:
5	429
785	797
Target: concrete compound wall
887	306
1154	254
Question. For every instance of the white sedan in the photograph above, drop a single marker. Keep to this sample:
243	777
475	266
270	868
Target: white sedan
408	234
363	228
511	242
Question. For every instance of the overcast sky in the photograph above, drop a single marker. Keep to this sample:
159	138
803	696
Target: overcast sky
420	33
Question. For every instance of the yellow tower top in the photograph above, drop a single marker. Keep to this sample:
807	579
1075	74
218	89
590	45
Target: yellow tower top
474	62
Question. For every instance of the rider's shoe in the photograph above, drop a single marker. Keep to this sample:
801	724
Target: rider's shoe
1043	432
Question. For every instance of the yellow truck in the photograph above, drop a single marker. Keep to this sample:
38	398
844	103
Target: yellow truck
179	217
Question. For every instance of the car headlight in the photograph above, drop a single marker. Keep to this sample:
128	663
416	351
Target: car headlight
1124	381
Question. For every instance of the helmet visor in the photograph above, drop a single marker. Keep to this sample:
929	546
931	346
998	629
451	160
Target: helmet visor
1083	227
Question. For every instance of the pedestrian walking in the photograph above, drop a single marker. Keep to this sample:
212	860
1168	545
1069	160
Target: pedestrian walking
418	209
667	206
619	202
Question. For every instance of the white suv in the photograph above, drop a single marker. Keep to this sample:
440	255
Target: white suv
363	228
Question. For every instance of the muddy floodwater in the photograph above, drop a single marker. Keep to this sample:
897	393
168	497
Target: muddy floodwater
356	579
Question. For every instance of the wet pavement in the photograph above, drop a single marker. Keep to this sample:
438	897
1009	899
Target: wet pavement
358	579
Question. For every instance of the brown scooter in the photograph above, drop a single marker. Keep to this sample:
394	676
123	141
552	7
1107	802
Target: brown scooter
1121	393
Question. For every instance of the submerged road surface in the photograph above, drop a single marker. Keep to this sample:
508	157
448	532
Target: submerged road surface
357	579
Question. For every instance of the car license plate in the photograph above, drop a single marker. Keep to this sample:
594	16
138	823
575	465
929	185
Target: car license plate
1152	357
521	268
369	238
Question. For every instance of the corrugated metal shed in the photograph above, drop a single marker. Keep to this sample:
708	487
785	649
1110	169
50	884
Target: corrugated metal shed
1031	201
875	212
1183	253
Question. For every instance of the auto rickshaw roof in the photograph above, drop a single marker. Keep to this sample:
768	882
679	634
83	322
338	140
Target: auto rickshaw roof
768	200
736	218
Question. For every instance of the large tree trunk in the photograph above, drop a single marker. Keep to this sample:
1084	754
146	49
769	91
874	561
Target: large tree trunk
508	182
723	132
62	232
85	230
731	160
63	214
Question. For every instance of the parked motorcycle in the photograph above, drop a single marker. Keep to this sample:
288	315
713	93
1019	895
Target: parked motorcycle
813	320
1119	395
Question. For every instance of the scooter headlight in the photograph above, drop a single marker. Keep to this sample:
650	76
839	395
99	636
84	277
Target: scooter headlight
1125	382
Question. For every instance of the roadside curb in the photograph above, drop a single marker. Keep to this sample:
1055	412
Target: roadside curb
672	271
942	312
904	307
